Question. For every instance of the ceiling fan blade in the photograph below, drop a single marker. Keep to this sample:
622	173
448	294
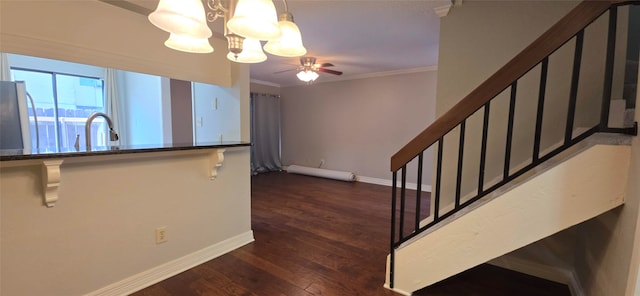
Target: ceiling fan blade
323	65
329	71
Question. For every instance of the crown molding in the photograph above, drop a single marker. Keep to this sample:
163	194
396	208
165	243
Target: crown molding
394	72
381	74
355	77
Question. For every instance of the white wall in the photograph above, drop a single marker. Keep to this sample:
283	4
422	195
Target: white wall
356	125
216	113
142	108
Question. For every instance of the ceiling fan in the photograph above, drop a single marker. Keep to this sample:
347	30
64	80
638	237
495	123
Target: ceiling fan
308	69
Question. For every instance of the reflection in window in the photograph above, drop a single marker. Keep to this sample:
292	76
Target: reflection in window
63	102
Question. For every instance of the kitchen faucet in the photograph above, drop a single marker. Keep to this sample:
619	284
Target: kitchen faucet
113	136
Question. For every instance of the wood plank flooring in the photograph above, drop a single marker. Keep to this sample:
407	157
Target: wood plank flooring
313	237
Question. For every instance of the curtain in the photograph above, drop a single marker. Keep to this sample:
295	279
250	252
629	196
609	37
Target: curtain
265	133
111	102
5	73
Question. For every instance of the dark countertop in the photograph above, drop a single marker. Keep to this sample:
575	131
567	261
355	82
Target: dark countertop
47	153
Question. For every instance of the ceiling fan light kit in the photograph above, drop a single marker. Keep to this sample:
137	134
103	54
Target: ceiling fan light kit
307	76
186	21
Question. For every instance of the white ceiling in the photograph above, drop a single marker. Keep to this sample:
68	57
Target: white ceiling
362	38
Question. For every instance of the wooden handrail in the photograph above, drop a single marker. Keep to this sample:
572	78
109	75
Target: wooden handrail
567	27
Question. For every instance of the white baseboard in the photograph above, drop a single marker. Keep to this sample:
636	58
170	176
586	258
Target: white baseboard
385	182
551	273
159	273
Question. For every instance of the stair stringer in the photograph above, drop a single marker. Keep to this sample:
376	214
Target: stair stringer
580	188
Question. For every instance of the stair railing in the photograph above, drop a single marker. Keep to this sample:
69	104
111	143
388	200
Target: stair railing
570	27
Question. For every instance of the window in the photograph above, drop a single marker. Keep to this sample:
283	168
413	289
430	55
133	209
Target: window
62	104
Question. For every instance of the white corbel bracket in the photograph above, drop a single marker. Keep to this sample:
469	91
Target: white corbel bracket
215	161
51	179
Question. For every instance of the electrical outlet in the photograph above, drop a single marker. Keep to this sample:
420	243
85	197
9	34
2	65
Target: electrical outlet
161	234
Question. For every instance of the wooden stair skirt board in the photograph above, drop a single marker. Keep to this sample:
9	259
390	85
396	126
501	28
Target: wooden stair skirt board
580	188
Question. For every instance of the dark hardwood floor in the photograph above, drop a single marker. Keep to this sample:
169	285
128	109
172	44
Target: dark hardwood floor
321	237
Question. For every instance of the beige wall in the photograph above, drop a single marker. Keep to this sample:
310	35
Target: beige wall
607	259
240	81
102	229
478	38
264	89
101	232
475	42
356	125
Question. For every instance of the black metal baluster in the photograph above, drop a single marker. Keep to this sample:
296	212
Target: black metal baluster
608	72
394	187
512	111
573	95
460	157
541	94
483	150
436	203
403	191
418	191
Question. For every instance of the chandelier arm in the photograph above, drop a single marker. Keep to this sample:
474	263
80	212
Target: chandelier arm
217	10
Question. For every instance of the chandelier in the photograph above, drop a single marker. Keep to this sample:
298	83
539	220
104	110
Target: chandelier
246	23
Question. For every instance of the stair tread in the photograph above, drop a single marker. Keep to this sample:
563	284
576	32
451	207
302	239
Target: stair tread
487	279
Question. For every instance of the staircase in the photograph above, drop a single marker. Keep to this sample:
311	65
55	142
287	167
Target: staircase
515	199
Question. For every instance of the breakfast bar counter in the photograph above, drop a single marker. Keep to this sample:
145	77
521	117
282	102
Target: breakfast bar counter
52	152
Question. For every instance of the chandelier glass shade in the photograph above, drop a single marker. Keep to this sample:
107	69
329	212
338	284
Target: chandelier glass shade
290	42
255	19
251	52
248	20
188	44
181	17
307	75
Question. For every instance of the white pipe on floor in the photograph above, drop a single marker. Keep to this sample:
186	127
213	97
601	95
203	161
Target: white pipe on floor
324	173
